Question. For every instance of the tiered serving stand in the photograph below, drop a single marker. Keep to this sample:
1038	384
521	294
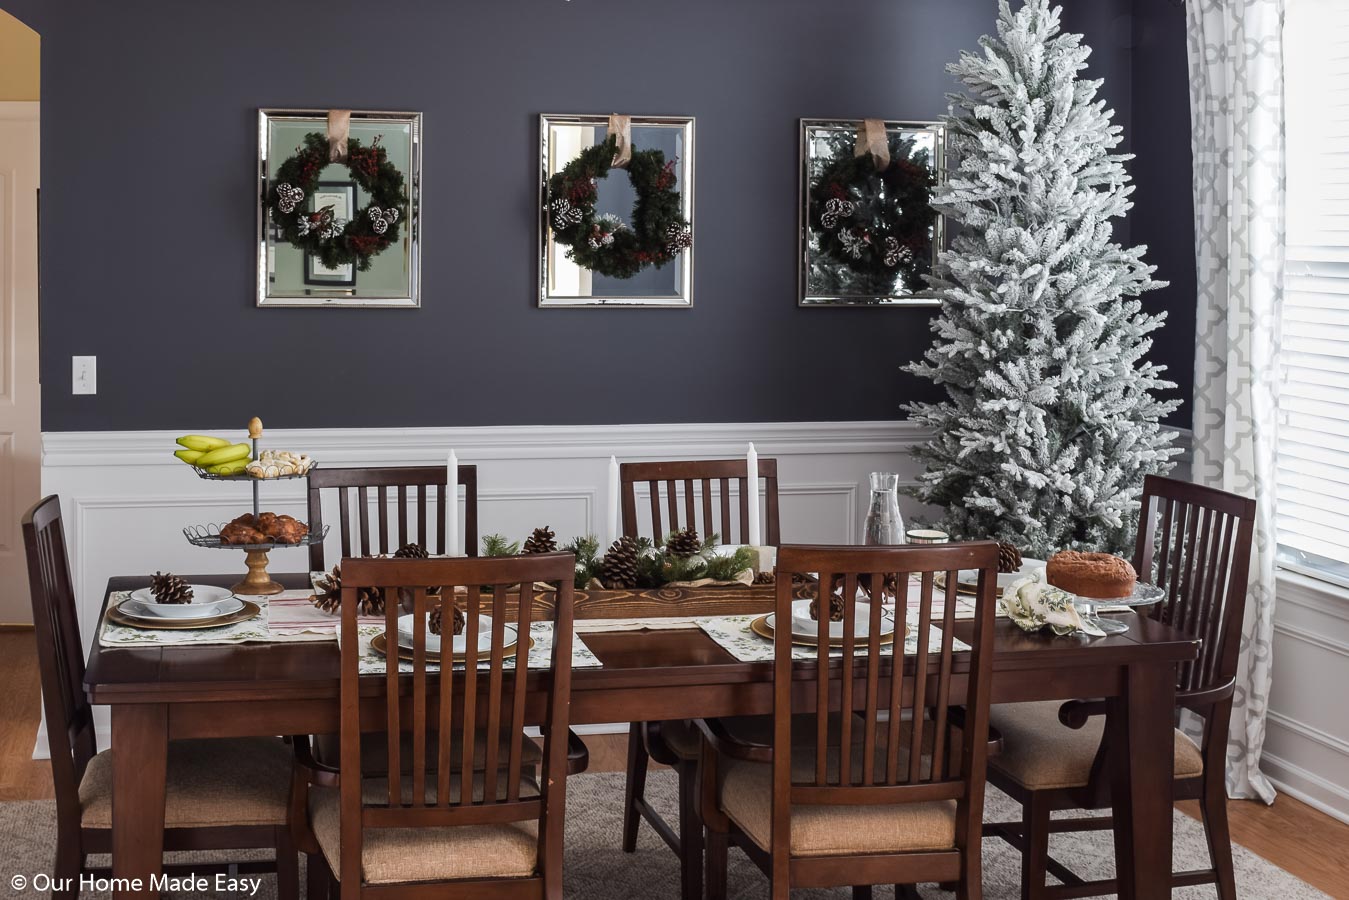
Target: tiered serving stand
257	582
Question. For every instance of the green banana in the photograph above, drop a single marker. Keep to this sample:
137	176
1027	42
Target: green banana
189	456
229	468
226	454
202	442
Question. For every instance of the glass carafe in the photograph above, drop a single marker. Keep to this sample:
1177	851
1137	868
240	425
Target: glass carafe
883	524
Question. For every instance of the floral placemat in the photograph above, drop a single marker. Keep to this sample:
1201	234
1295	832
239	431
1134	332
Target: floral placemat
283	618
540	655
734	636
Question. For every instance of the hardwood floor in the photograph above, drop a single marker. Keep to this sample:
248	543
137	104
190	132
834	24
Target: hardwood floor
1289	834
21	776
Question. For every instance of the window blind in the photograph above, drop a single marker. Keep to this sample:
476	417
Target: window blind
1313	449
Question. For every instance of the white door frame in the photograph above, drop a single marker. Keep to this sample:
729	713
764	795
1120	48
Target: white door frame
20	398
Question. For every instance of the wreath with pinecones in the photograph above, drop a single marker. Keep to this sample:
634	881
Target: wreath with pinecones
877	223
335	241
605	243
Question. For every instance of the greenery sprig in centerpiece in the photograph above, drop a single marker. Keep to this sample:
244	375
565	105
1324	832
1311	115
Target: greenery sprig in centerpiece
639	563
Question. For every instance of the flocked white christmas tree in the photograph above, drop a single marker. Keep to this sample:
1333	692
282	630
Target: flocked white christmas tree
1051	418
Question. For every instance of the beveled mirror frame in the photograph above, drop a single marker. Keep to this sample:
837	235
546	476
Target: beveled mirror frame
686	188
344	297
939	236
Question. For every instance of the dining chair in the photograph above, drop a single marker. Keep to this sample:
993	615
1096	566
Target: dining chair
1195	543
475	816
707	488
875	788
392	491
222	794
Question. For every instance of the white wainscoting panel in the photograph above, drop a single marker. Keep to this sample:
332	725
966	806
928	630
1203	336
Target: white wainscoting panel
126	499
1307	735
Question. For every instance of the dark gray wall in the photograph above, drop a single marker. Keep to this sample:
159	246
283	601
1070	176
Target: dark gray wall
148	238
1163	214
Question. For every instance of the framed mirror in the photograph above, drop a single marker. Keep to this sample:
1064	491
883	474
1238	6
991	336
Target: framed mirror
600	246
341	233
869	235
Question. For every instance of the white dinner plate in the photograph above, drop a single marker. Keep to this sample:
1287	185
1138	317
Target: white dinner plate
460	640
215	601
969	578
806	627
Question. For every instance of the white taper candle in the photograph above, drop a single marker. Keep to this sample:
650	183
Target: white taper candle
611	534
752	485
453	546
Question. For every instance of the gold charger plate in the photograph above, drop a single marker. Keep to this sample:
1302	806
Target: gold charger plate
962	587
380	644
250	610
761	627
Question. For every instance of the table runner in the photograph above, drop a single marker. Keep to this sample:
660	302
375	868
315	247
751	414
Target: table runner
540	655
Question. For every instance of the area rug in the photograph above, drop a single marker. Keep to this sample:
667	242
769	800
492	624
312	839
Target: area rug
596	869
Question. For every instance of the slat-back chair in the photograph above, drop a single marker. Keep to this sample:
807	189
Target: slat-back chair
874	788
1195	543
403	491
686	489
250	815
471	816
683	494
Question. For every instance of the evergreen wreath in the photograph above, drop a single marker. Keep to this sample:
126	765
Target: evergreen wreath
605	243
876	223
338	242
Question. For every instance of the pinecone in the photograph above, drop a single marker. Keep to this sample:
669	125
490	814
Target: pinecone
1009	558
541	541
435	621
835	608
169	588
618	570
683	544
765	578
328	595
411	551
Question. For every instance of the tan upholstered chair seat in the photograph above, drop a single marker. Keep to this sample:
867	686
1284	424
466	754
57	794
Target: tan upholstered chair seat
746	798
210	783
400	855
1041	753
820	830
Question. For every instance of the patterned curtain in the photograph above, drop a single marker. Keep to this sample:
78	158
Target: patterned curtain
1236	104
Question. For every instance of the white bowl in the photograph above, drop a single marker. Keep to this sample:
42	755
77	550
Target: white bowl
804	626
207	601
405	625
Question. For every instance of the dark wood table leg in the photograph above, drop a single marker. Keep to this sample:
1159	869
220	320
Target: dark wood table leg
140	748
1143	729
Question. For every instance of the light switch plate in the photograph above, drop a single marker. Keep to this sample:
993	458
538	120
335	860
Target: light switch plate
84	374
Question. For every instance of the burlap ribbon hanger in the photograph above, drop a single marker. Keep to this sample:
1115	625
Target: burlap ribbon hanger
872	138
339	129
620	127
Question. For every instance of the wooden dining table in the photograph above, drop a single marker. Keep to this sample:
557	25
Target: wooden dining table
161	693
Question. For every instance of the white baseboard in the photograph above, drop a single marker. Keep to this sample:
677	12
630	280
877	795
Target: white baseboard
1313	790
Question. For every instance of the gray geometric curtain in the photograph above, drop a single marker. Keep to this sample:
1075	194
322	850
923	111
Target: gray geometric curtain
1236	107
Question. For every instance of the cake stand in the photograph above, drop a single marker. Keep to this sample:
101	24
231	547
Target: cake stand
1143	595
257	582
